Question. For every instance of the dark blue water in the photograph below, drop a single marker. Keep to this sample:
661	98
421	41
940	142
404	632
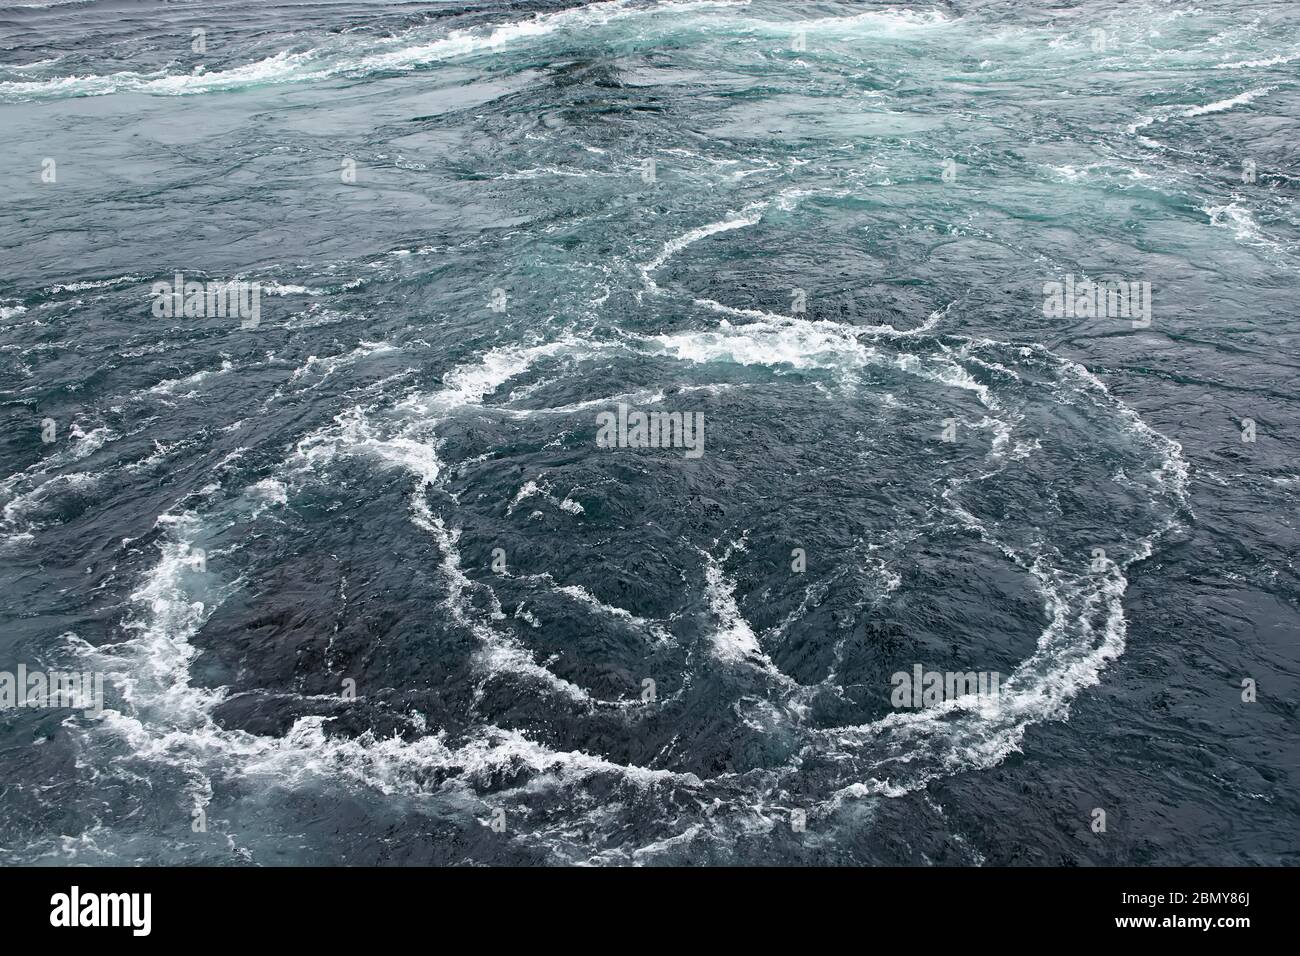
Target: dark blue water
365	588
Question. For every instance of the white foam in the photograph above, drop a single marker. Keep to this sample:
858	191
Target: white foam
18	509
748	216
889	21
806	344
734	640
396	766
327	366
272	490
500	653
408	52
1256	64
273	287
581	594
90	284
471	383
1241	99
1233	215
541	172
184	387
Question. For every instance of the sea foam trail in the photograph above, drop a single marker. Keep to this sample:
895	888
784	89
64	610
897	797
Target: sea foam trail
411	51
891	21
1241	99
1278	60
1191	111
749	216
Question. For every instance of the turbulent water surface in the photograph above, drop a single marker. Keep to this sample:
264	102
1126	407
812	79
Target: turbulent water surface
365	588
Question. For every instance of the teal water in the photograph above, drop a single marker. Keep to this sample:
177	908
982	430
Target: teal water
366	589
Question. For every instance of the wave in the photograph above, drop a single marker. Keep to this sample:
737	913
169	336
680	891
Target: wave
891	21
1257	64
88	285
1190	111
1241	99
185	387
1235	216
403	54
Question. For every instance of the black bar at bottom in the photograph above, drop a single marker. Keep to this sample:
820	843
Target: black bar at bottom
337	906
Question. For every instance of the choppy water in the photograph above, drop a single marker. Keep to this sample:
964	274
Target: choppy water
238	525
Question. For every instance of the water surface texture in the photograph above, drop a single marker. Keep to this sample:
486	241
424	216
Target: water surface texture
362	584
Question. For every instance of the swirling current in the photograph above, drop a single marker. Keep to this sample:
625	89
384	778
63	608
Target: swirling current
365	584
